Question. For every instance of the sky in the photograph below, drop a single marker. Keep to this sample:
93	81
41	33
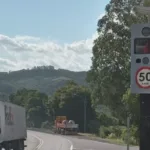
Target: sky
48	32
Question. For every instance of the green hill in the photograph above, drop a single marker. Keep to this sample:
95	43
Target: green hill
45	79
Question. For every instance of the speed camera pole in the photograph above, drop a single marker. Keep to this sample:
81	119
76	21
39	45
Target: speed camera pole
144	121
140	74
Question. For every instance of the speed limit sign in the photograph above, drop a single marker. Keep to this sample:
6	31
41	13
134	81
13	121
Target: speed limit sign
143	77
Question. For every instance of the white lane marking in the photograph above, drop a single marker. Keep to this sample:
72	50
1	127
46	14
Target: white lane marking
71	147
40	144
82	149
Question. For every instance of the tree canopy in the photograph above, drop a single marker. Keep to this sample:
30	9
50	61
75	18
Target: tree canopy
35	104
70	100
109	76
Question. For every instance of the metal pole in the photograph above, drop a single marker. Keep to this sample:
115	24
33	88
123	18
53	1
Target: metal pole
128	133
85	115
144	121
148	18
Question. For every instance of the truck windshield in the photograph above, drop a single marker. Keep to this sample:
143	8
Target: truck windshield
142	46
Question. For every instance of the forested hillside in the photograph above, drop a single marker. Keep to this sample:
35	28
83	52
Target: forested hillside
45	79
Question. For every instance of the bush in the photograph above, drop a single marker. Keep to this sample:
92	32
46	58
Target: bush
117	130
46	125
124	134
112	136
93	126
120	132
106	131
133	135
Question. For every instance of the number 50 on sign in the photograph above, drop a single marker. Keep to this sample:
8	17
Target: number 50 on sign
143	77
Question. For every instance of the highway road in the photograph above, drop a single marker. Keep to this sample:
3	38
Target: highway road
32	142
44	141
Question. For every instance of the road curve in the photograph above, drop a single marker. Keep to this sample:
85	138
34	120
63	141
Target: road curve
32	142
84	144
48	141
45	141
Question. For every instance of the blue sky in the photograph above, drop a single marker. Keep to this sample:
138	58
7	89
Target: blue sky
59	20
48	32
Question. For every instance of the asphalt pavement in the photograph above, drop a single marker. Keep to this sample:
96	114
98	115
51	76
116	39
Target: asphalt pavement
44	141
48	141
84	144
32	142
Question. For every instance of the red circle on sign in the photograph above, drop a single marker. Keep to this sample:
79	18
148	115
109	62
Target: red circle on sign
144	87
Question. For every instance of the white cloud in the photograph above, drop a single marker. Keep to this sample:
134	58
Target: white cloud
26	38
26	52
100	16
22	52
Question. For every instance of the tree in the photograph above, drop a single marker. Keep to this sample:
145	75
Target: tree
110	70
35	104
70	101
146	3
19	98
132	103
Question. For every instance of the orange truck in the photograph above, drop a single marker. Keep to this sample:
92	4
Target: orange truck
63	126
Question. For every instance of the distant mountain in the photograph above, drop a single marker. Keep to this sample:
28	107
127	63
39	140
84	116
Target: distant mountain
45	79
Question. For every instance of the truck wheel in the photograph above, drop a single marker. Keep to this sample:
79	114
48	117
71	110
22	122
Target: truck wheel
65	132
19	145
59	131
7	146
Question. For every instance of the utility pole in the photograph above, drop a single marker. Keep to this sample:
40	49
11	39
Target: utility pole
84	108
144	121
85	104
128	127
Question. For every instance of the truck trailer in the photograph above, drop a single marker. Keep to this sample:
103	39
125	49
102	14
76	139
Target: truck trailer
13	132
65	127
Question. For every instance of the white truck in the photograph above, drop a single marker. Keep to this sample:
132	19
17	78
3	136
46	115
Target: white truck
13	130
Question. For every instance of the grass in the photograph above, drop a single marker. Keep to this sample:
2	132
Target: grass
95	137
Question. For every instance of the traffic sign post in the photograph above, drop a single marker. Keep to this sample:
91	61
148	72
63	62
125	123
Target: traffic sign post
140	73
140	58
143	77
144	122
